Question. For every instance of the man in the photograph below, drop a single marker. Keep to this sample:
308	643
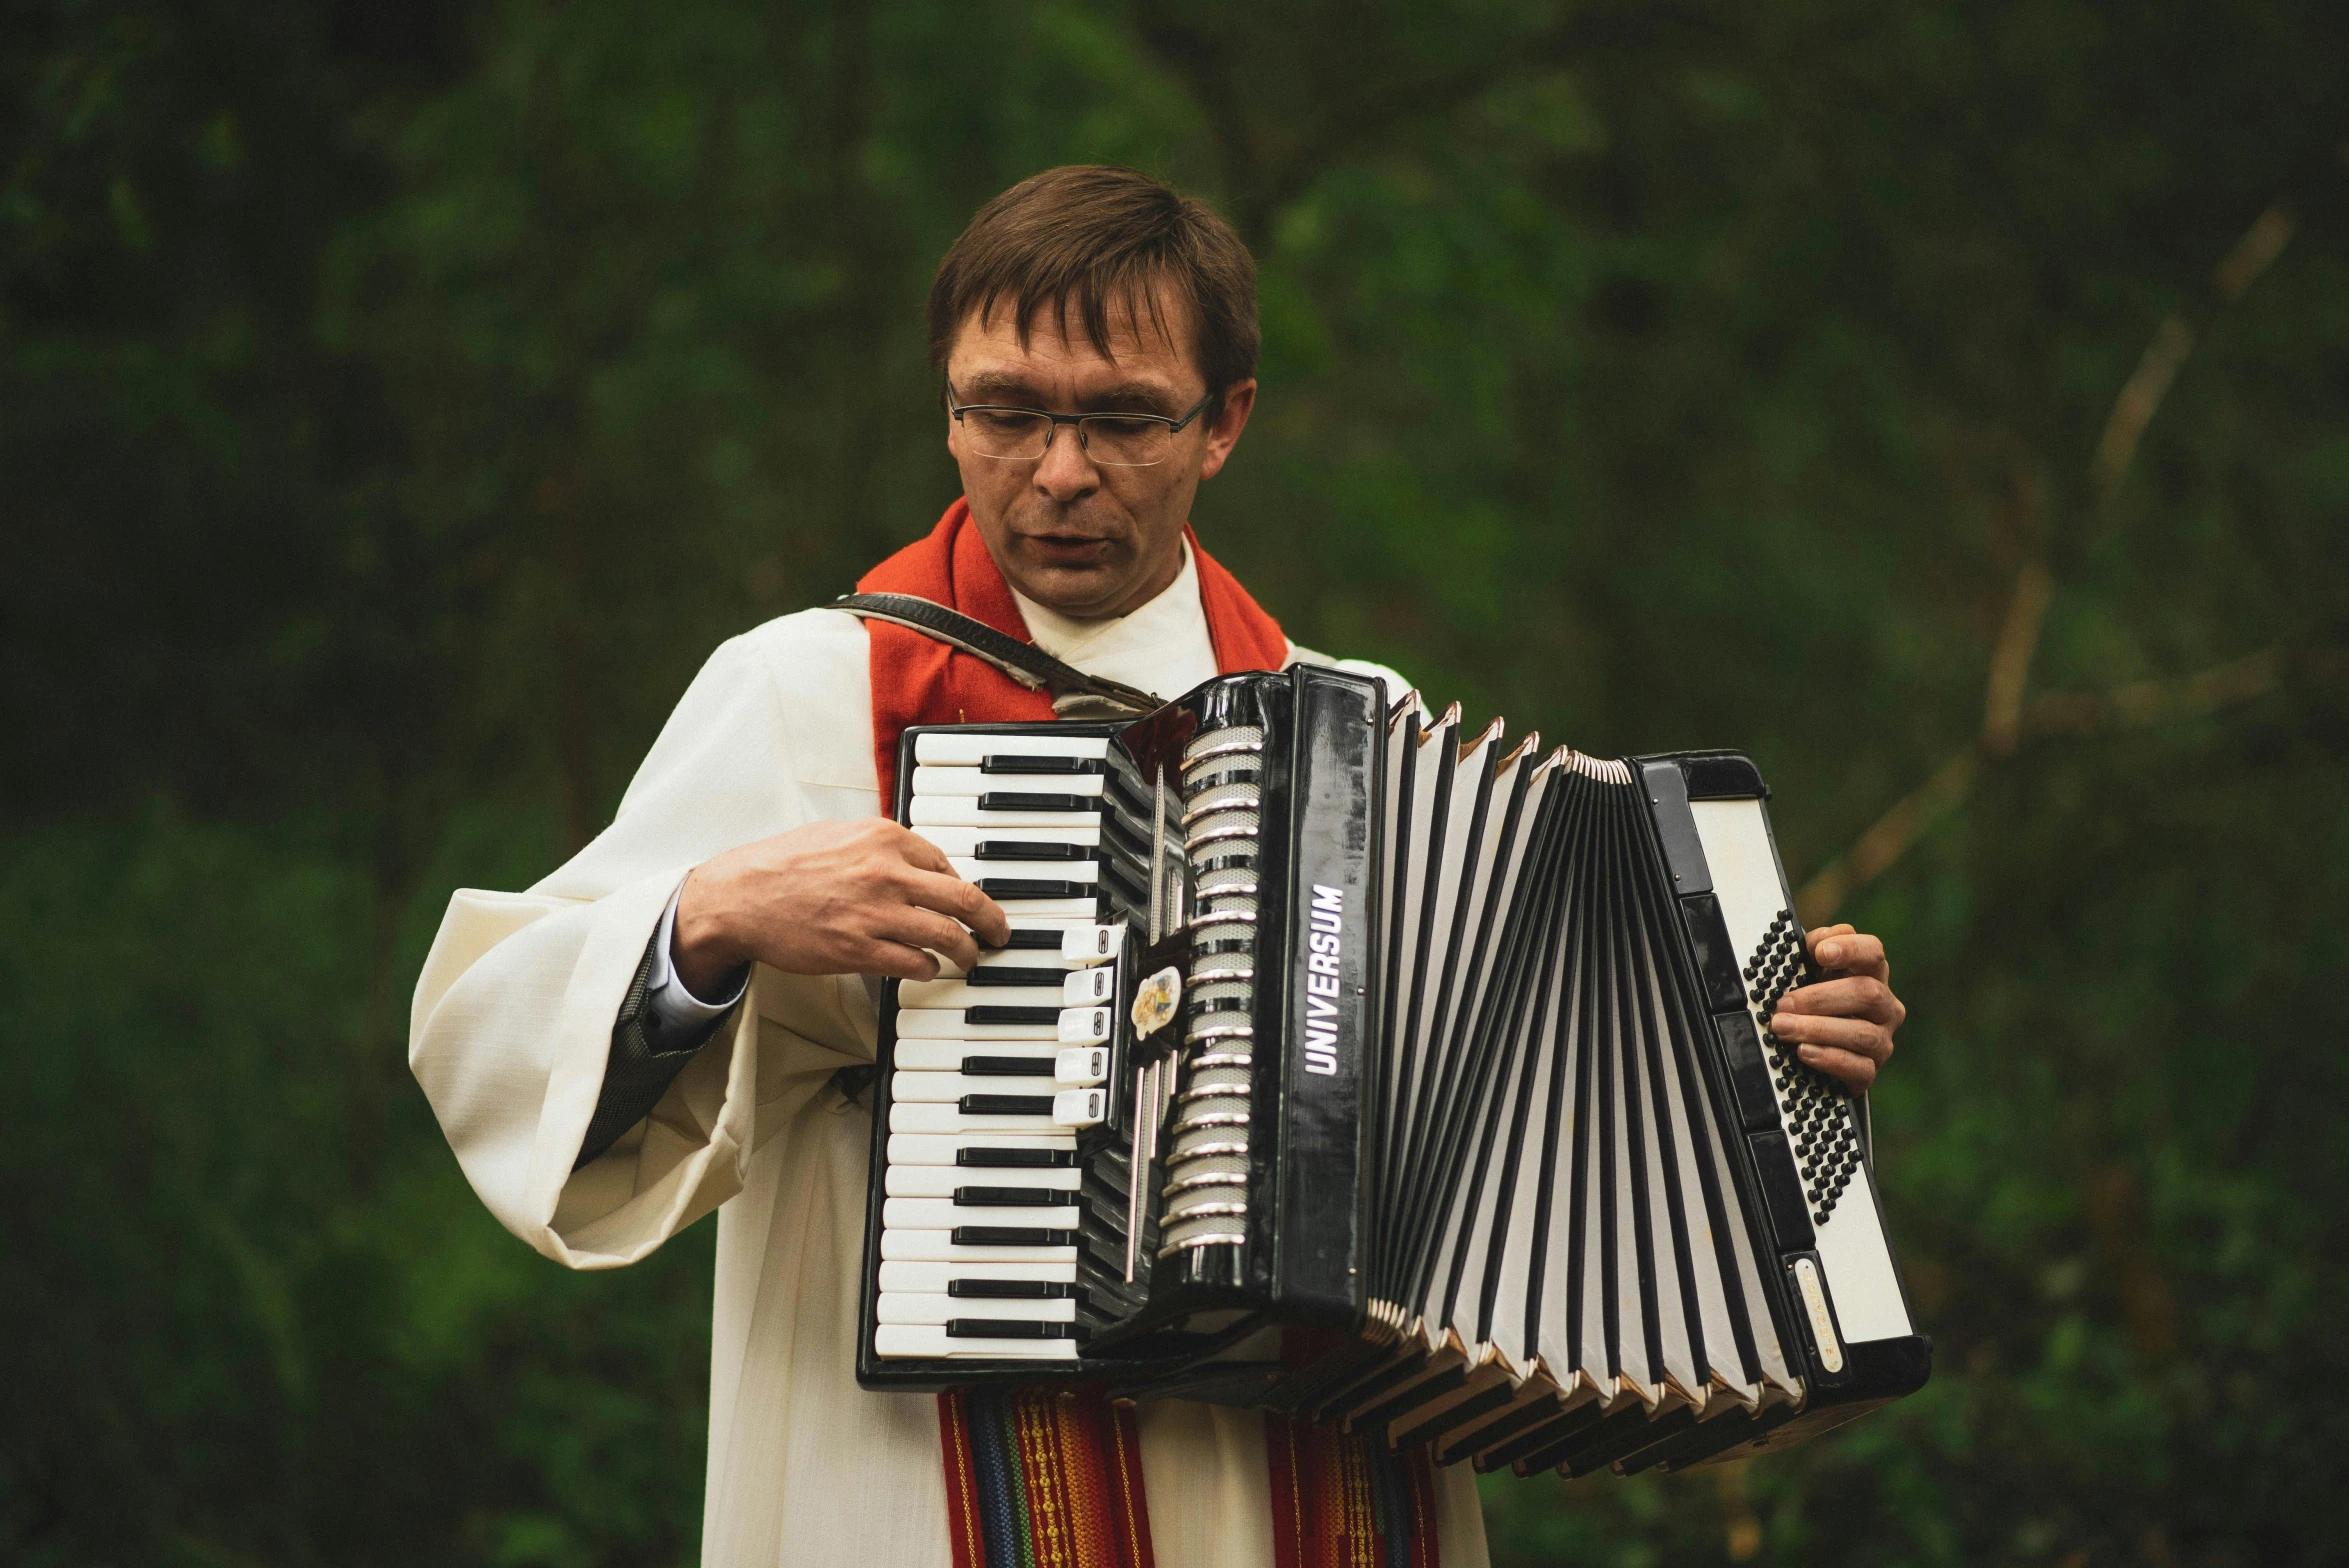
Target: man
659	1028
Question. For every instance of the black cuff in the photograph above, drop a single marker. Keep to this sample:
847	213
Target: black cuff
640	1068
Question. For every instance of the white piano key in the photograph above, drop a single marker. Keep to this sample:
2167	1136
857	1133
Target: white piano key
1016	958
910	1340
946	1023
922	1116
908	1148
1091	944
948	1086
1085	908
945	1056
906	1307
933	1278
1079	1107
955	995
938	1246
969	750
1081	1065
1058	908
945	1214
1083	1026
962	811
1084	871
965	841
975	781
1088	987
943	1181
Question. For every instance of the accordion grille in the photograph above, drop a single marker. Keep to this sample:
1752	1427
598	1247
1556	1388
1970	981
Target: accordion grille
1207	1161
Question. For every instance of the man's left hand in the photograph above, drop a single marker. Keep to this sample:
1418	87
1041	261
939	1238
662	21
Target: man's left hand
1843	1024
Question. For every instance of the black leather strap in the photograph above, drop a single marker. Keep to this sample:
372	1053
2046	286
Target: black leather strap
1024	662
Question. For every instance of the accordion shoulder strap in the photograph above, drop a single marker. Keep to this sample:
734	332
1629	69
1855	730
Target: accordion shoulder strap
1074	693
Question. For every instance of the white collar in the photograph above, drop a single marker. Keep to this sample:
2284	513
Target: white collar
1161	646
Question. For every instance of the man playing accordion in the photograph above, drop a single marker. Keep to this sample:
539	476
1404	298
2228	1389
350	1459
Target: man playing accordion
661	1027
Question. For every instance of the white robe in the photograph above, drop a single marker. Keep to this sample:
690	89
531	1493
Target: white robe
510	1031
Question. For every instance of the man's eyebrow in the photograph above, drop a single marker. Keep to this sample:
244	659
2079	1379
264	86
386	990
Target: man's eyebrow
989	386
1143	396
1000	386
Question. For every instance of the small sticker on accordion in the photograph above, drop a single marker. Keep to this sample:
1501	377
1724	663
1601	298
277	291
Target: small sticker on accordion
1156	1001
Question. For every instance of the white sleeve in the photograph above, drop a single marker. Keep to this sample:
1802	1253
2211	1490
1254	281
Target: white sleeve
512	1022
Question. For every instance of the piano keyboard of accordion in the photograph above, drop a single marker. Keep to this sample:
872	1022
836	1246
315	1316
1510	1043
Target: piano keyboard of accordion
1395	1075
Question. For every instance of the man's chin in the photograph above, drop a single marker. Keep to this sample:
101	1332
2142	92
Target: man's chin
1081	591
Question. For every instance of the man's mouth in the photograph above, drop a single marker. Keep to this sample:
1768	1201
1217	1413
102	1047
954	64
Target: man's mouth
1069	549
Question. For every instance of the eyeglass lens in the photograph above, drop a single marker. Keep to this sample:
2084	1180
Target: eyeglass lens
1108	438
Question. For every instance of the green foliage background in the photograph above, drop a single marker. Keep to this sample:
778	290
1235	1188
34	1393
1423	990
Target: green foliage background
398	402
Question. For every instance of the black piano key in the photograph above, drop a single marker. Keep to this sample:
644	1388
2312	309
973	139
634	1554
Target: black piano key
1014	1197
1011	762
1012	889
1004	974
1011	1236
1008	1328
1027	800
1013	849
1012	1158
1012	1289
1011	1015
1007	1066
1006	1105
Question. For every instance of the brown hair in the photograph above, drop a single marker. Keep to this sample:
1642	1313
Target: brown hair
1091	234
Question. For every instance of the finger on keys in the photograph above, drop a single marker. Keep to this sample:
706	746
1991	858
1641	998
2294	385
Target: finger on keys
951	895
896	961
936	933
1856	996
1816	1031
1855	1073
920	853
1849	951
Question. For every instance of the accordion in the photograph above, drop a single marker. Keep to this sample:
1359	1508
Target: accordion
1347	1062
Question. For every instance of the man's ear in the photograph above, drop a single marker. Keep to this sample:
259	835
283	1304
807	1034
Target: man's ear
1223	432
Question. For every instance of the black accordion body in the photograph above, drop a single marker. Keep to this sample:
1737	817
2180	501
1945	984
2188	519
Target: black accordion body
1347	1063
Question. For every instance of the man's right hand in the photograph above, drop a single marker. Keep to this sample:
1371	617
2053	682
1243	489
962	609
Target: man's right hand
831	898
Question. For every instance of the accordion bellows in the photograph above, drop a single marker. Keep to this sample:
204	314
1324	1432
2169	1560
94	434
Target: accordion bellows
1351	1064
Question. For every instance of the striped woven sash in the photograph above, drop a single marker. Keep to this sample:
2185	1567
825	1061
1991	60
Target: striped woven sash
1052	1478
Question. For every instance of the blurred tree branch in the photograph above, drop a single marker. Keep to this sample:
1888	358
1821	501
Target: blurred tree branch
1266	166
2009	714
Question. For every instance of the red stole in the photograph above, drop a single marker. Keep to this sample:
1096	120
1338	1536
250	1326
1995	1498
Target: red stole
919	680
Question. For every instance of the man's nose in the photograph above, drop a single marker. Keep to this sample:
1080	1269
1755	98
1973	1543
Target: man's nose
1064	472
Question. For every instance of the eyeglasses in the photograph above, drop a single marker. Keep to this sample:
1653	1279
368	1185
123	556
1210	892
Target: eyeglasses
1025	434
